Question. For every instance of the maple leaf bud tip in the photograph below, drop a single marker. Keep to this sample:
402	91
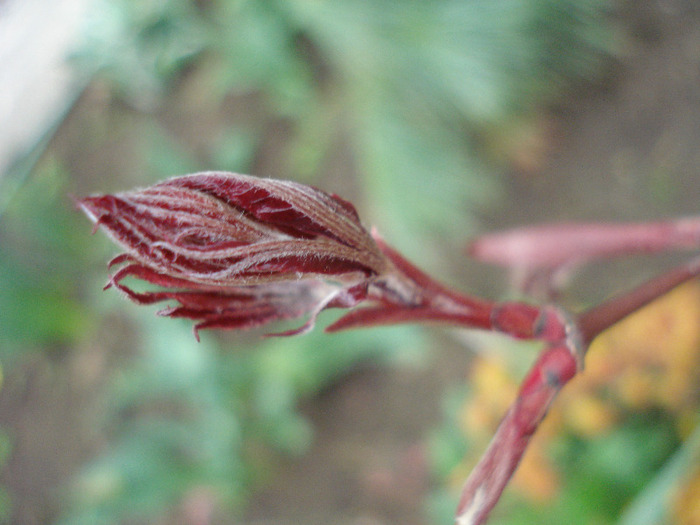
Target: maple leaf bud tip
236	251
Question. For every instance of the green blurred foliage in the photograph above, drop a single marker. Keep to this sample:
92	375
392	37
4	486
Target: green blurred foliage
406	89
183	415
5	498
41	241
651	506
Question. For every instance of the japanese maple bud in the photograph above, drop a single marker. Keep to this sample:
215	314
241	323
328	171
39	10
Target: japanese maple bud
228	229
238	251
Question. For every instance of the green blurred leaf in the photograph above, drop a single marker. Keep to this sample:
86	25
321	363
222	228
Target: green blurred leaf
234	151
140	47
419	181
166	156
42	238
651	506
184	414
172	428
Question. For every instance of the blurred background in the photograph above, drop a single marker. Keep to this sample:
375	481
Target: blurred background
439	120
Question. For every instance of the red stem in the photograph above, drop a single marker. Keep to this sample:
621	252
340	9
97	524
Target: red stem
482	490
408	295
554	245
424	283
601	317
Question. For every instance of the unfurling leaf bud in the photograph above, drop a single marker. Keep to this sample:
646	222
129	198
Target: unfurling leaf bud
238	251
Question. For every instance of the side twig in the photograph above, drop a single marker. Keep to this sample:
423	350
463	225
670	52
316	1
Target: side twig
554	368
482	490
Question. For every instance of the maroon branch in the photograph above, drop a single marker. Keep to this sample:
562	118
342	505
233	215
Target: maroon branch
601	317
541	258
232	251
554	368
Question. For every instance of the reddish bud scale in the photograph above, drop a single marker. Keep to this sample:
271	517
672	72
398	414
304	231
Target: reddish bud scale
238	251
220	228
223	307
300	210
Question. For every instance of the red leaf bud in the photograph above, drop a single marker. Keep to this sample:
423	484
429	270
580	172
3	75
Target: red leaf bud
238	251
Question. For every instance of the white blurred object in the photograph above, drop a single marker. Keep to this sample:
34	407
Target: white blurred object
37	84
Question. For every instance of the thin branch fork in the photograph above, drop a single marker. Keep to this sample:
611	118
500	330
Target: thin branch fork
556	366
566	341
